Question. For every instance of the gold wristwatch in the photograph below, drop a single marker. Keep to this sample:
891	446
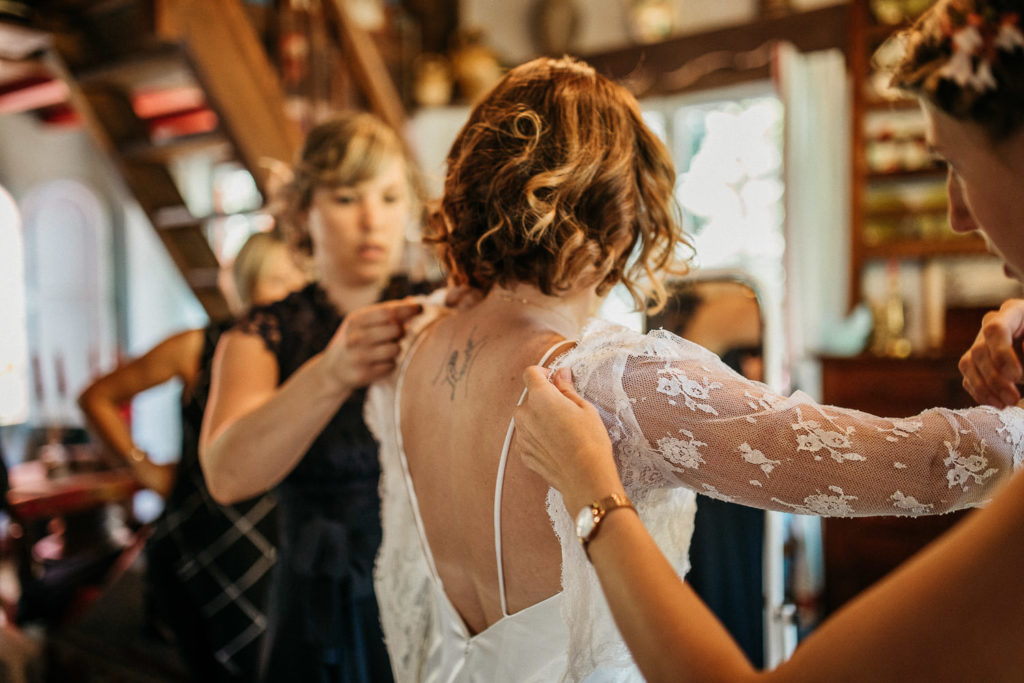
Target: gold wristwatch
588	521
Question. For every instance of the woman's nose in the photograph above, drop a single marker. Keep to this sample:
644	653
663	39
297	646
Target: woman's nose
370	213
960	217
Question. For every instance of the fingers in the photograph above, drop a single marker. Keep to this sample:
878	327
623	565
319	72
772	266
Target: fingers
982	381
998	394
397	311
536	379
462	297
366	346
991	367
999	331
562	379
379	323
359	334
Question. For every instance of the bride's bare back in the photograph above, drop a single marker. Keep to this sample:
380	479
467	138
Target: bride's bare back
460	387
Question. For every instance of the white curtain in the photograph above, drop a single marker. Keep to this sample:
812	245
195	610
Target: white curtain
815	91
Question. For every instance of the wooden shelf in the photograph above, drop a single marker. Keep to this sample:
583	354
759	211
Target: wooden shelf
165	151
920	248
162	64
937	172
877	33
880	105
898	212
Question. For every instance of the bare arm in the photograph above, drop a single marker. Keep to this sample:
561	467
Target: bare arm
992	367
177	356
254	431
950	614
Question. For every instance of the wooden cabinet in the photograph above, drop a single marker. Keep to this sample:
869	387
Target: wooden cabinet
893	387
860	551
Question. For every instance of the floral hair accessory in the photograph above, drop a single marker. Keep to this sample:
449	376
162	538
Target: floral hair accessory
976	45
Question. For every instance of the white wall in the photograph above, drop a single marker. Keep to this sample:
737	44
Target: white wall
158	301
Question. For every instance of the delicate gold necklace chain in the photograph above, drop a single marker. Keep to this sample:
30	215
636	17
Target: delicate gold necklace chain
508	298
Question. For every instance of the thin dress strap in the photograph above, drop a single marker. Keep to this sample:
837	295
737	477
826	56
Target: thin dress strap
400	442
501	481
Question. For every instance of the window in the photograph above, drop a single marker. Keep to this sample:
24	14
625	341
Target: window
69	294
14	397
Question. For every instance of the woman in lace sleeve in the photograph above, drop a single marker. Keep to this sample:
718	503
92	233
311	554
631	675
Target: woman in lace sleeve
960	598
682	417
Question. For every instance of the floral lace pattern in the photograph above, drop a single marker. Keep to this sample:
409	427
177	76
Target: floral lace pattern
681	421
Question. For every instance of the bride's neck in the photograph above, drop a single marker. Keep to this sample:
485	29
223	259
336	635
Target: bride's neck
566	314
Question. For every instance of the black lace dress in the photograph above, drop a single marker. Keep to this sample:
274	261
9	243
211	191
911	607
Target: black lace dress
324	624
208	564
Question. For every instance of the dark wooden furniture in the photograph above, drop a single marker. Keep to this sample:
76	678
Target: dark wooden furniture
897	200
858	552
39	497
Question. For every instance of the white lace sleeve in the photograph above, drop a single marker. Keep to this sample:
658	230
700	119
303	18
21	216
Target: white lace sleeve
693	422
682	421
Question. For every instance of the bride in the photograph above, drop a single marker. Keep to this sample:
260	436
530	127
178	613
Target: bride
555	192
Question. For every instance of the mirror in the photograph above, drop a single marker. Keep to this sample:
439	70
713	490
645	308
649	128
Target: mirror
723	315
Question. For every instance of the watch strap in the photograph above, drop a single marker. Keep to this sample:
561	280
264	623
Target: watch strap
600	508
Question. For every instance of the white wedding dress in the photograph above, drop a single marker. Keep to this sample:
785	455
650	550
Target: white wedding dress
681	422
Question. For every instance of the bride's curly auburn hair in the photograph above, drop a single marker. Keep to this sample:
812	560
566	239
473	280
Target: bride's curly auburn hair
555	181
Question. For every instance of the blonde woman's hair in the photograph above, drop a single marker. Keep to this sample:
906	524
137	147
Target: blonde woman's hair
554	178
343	151
245	270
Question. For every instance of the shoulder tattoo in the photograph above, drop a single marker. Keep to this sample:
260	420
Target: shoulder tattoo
456	365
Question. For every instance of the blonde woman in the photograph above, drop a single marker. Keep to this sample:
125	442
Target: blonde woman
285	410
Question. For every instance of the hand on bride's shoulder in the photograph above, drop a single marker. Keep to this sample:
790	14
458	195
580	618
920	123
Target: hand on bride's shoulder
461	297
561	437
366	344
991	367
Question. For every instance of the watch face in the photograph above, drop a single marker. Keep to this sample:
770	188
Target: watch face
585	523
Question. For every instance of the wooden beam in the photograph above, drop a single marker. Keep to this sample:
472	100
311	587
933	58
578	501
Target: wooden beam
367	66
722	57
233	68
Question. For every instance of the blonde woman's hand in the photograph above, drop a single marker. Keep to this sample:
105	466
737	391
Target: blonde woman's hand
992	366
462	297
366	344
561	437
